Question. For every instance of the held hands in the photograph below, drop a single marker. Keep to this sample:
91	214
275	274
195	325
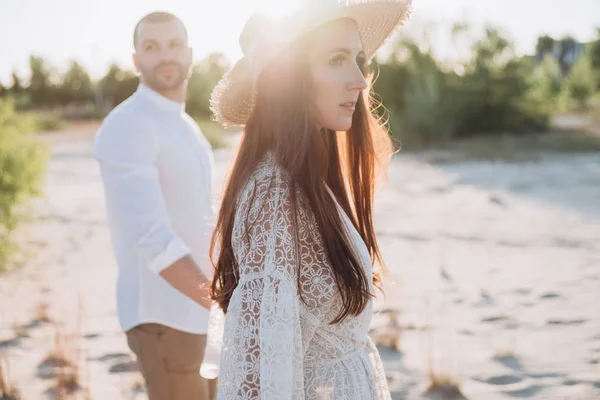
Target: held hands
204	298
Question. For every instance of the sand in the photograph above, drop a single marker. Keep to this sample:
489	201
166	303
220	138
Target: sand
494	278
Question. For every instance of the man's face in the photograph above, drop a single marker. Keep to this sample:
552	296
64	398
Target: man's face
162	55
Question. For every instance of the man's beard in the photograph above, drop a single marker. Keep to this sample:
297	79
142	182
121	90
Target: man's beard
154	82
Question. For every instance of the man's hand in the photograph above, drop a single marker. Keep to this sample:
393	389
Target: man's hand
185	276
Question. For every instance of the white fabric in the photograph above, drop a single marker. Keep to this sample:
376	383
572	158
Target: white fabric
156	168
274	346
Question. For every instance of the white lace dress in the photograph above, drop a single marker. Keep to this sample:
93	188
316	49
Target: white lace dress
274	346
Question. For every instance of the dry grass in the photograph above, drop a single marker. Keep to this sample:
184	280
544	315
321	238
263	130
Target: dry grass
65	363
138	385
389	335
63	350
41	313
444	272
8	391
444	388
21	331
65	357
442	384
506	352
485	294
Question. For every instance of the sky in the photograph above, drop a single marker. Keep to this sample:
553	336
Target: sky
96	33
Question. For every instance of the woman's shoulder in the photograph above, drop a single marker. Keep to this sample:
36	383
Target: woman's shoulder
269	175
268	182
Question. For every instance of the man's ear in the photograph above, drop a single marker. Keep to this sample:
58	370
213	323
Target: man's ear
135	61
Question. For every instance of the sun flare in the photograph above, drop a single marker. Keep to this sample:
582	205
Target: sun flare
276	8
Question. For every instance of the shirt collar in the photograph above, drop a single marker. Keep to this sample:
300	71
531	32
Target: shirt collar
159	99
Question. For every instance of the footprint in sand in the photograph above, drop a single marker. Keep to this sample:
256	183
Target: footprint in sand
9	342
513	385
459	300
496	199
485	299
509	325
570	382
546	375
550	295
92	336
495	318
501	380
129	366
526	392
569	243
522	291
559	321
112	356
527	304
575	381
509	361
464	238
508	243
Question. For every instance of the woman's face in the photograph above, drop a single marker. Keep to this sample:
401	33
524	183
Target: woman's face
337	62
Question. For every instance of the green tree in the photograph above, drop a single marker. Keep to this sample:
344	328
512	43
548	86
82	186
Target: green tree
22	168
581	80
76	85
431	108
117	85
17	86
205	75
109	84
40	87
544	46
594	52
547	84
17	92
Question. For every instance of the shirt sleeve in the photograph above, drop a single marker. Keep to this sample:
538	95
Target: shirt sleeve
126	148
263	339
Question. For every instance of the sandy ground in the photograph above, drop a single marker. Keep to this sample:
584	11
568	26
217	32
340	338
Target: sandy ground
494	273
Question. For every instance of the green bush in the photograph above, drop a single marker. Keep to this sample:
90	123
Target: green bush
581	81
213	133
205	75
48	122
494	91
432	105
22	168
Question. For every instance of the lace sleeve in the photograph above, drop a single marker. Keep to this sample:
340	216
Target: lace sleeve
262	342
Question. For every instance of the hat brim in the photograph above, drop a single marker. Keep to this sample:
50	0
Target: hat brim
232	99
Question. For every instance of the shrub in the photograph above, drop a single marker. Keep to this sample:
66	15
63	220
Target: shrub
22	168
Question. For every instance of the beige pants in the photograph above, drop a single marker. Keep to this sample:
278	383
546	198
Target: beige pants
169	361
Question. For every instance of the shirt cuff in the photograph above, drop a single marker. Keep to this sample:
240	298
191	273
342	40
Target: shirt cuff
174	251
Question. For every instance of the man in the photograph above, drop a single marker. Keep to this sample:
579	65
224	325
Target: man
156	168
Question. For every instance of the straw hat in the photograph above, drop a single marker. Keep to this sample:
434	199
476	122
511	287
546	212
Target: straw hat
263	39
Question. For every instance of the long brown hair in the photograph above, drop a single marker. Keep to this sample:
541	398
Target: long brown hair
283	122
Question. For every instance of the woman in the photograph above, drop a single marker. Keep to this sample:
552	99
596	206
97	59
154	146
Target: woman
294	274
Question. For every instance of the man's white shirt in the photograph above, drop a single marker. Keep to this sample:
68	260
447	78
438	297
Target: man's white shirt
156	168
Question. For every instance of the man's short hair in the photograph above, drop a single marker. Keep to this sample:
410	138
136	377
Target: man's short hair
157	16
